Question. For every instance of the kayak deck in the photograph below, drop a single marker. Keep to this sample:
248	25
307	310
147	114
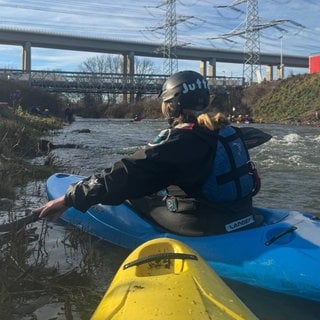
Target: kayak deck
165	279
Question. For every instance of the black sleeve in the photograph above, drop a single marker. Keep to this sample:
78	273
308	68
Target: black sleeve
145	172
128	178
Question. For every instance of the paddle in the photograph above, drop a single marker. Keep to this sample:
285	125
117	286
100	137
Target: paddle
254	137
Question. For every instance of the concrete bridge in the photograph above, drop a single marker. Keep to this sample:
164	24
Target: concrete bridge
128	50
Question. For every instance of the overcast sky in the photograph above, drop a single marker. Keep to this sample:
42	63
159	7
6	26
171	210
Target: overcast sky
207	23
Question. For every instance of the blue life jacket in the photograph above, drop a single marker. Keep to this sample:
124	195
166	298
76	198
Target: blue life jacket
231	176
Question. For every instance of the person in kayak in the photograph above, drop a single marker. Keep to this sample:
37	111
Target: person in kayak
195	178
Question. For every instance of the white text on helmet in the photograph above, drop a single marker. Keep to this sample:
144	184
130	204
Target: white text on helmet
199	84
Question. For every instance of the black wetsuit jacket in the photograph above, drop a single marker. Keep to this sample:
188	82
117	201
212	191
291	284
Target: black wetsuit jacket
183	159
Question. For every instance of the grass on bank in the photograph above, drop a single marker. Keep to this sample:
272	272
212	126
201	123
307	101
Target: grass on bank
276	101
20	133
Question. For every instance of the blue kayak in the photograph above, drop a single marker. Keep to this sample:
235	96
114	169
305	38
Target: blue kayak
283	255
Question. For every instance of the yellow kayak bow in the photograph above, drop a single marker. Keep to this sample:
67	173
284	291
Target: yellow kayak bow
165	279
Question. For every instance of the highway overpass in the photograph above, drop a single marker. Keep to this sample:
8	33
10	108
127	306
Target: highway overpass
128	49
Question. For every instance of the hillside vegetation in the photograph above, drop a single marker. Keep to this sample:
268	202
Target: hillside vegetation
292	100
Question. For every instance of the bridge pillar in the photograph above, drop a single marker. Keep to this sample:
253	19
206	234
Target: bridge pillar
280	74
130	58
212	68
127	69
269	73
26	57
203	68
124	68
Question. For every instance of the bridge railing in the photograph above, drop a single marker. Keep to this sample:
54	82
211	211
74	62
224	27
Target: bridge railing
87	82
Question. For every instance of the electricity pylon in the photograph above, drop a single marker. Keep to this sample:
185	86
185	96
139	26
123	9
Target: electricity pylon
251	65
170	64
251	33
169	29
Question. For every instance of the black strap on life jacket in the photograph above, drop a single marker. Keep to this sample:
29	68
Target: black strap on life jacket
256	180
235	172
252	168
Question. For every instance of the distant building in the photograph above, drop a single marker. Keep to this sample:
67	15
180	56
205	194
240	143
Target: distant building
314	63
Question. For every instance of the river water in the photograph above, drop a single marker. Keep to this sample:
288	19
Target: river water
289	169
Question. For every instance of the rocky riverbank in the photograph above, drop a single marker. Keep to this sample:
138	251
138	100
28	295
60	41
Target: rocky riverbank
310	118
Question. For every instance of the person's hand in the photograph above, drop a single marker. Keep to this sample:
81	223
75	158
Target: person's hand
53	208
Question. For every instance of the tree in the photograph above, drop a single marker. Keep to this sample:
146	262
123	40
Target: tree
101	64
108	68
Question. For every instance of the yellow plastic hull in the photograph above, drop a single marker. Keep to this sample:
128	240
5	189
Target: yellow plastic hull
165	279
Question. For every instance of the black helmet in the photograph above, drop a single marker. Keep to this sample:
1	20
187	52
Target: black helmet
186	90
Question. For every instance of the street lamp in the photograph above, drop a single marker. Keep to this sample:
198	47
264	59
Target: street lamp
280	76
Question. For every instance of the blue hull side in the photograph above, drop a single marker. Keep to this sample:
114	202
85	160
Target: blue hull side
282	256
